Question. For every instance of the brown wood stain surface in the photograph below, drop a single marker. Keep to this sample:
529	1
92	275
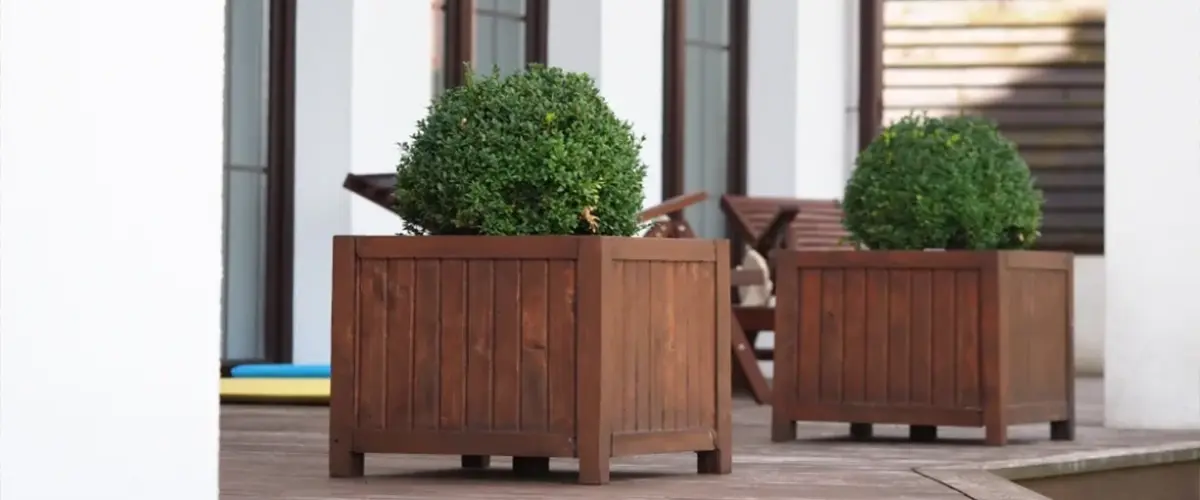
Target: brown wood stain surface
925	338
530	347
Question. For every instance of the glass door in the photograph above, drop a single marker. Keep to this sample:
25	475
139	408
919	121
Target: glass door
257	166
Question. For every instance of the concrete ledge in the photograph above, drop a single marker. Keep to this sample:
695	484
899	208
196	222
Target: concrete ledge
994	480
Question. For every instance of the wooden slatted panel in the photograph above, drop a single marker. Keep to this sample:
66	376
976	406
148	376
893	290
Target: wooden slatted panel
1034	66
661	354
467	345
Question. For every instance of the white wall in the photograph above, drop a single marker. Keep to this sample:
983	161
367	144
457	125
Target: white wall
362	82
801	97
111	299
1090	290
1152	344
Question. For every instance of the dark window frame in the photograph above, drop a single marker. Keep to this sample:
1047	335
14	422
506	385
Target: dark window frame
674	102
458	49
281	170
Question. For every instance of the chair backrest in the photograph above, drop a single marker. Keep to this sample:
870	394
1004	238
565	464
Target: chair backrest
817	225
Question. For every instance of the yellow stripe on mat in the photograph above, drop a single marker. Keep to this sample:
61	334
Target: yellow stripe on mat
275	390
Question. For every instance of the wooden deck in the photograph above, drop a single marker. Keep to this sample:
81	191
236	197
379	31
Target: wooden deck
270	452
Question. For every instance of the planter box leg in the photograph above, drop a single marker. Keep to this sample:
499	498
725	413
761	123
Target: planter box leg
531	466
345	463
997	435
782	429
593	469
476	461
862	431
922	433
1062	430
714	462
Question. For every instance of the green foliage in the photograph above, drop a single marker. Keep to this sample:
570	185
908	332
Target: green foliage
535	153
952	183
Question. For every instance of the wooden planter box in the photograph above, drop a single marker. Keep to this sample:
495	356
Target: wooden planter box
530	347
926	339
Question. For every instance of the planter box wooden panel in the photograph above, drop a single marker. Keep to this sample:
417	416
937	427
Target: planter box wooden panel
663	359
925	339
529	347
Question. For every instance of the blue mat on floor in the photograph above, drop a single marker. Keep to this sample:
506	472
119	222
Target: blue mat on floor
280	371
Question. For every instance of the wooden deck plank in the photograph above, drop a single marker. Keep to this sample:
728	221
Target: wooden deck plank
271	452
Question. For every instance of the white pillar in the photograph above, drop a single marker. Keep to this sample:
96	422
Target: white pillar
110	248
800	97
1152	179
363	79
624	53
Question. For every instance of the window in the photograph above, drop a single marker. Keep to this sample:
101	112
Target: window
704	143
502	34
256	296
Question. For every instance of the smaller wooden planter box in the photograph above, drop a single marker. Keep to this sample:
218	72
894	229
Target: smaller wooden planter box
926	339
530	347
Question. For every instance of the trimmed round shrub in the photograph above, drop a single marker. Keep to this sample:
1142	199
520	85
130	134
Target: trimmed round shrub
948	183
534	153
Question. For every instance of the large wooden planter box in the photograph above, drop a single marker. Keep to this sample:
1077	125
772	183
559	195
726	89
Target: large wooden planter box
926	339
530	347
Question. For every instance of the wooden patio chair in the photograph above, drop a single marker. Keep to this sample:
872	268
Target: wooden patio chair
667	216
766	224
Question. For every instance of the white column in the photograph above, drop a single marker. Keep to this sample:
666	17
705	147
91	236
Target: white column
800	93
110	248
363	79
624	53
1152	174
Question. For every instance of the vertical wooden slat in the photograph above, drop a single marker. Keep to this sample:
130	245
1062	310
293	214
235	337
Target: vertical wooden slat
898	341
630	330
695	292
945	339
372	313
708	357
877	336
832	314
453	352
640	334
561	346
533	346
966	307
506	358
426	343
921	348
808	386
854	350
658	346
680	338
480	328
400	344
